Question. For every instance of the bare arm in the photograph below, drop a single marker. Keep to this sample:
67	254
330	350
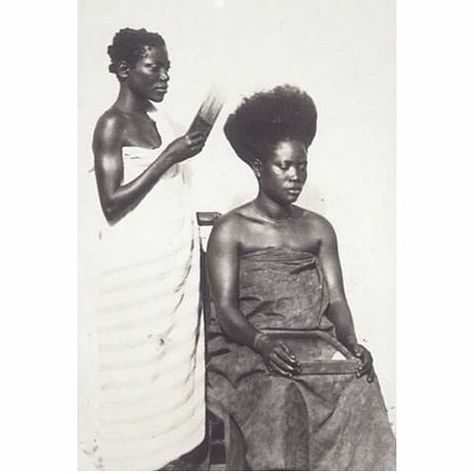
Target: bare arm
223	264
116	198
338	311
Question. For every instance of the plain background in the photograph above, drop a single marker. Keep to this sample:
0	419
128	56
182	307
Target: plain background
38	351
343	54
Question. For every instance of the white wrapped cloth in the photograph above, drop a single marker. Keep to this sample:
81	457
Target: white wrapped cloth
149	326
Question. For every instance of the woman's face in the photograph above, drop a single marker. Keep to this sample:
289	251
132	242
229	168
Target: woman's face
283	171
149	78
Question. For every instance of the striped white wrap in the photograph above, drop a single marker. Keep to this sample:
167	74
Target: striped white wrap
149	327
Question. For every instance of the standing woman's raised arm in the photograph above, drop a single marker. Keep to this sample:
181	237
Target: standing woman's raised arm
118	198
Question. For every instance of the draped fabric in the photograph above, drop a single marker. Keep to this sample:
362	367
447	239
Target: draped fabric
149	327
308	422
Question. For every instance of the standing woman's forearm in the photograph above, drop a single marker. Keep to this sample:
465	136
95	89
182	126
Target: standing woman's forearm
118	199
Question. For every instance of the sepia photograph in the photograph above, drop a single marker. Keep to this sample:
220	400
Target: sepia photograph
237	235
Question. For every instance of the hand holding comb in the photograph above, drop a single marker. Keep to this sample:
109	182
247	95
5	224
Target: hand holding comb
207	113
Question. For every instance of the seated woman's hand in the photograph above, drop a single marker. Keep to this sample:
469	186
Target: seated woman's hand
186	146
277	356
366	367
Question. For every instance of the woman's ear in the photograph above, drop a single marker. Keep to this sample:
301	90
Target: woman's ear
123	70
257	167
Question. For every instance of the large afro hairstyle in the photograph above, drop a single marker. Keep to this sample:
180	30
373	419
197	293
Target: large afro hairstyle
268	117
129	44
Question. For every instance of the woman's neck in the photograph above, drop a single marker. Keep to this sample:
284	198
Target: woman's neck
130	102
271	209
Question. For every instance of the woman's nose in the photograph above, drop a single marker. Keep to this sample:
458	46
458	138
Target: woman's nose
164	76
293	174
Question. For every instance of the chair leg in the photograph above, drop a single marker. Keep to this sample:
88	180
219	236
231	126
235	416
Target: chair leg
227	451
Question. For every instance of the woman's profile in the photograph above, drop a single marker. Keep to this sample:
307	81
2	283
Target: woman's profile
278	291
149	329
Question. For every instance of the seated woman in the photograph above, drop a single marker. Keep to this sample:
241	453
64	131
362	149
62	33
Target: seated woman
274	271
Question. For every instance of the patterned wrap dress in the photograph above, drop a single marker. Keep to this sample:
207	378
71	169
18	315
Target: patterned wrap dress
308	422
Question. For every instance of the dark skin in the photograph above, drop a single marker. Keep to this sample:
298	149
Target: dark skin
126	123
272	220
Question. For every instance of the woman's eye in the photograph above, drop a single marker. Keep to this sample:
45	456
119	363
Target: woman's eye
156	69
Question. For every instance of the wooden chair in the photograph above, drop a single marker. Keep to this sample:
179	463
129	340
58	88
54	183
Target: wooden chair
226	447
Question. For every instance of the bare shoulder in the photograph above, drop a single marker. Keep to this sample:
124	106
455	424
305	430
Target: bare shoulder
112	117
229	226
318	223
110	126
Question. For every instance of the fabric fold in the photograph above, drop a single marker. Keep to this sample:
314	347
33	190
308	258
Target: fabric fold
307	422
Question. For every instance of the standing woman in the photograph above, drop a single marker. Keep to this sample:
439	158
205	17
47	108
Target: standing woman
148	321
